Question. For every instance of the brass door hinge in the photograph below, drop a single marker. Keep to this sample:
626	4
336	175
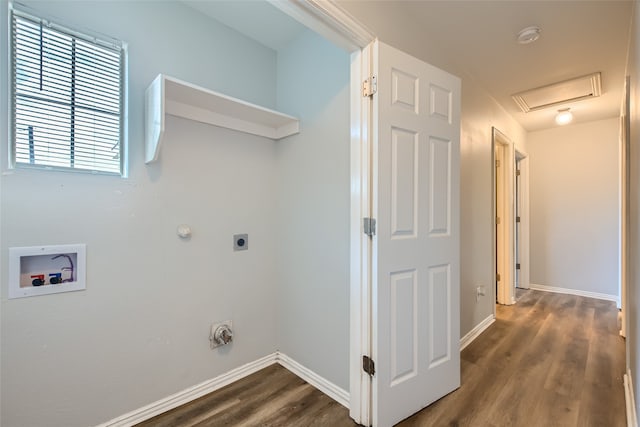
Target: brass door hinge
370	86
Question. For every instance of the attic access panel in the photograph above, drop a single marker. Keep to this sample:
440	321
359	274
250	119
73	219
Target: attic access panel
559	93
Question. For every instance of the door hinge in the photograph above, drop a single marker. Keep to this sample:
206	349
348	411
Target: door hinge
518	266
370	86
517	172
497	277
368	365
517	219
497	220
497	163
369	225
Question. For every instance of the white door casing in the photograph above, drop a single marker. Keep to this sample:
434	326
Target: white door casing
361	244
500	225
416	253
503	207
522	160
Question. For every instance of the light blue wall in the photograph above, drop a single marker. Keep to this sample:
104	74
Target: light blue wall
140	331
314	206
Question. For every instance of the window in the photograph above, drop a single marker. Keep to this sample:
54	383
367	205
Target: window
67	98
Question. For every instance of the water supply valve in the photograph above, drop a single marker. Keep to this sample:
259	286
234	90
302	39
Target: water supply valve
55	278
221	334
38	279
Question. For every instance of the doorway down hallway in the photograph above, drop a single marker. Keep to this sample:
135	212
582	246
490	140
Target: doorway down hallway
549	360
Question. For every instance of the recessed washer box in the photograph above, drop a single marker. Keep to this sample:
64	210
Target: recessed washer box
43	270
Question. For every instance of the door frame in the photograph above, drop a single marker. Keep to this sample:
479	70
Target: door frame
523	199
625	180
362	250
506	287
329	20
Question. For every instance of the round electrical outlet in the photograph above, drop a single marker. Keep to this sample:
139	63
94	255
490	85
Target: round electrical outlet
240	242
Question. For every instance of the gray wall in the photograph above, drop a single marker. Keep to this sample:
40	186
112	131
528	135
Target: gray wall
633	288
314	205
140	331
479	114
574	206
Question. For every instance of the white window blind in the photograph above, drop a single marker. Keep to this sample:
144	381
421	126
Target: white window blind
67	98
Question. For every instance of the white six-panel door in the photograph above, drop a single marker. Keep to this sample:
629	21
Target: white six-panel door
416	261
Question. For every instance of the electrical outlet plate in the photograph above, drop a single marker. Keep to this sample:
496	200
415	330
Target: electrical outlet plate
214	326
240	242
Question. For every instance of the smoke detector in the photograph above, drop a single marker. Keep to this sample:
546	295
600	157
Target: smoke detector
529	35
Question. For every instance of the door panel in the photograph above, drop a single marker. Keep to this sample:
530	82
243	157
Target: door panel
440	203
439	322
404	90
404	191
415	194
404	325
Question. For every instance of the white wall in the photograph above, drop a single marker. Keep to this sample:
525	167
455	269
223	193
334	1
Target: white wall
480	112
574	206
140	331
633	289
313	222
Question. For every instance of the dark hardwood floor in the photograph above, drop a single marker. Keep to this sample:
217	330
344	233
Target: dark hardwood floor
270	397
549	360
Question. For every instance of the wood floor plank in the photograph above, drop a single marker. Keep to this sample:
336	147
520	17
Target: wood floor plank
514	403
549	360
554	410
602	395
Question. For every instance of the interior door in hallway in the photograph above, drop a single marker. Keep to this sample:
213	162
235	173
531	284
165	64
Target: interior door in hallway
518	208
416	261
499	220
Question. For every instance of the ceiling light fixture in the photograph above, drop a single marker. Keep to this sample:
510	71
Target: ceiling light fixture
529	35
564	116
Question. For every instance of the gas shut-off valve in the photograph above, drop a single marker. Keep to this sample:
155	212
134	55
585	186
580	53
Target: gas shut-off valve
221	334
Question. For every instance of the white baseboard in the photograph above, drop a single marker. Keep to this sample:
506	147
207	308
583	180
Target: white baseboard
333	391
630	401
187	395
568	291
475	332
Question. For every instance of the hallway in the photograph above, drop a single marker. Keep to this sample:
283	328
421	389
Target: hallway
550	360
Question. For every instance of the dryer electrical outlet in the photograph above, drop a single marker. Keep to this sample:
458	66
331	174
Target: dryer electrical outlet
240	242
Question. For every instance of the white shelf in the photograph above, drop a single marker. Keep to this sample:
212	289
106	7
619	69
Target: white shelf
167	95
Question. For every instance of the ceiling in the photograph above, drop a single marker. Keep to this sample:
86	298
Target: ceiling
477	40
256	19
